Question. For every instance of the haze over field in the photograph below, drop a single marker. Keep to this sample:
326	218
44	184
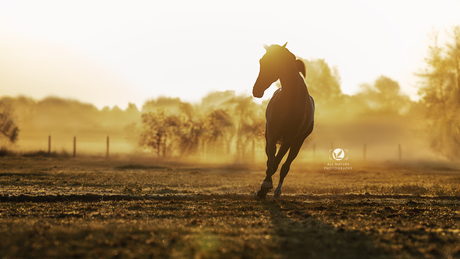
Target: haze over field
225	125
113	53
107	66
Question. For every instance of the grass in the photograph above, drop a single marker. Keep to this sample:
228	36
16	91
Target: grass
94	208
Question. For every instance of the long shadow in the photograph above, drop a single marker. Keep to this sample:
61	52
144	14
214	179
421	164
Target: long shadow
301	235
299	229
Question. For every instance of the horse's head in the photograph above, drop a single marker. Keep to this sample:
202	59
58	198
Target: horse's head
271	67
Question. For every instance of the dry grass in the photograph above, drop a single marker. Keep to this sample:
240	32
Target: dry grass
93	208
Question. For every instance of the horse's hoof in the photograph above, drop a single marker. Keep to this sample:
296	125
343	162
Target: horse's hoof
276	195
267	185
260	195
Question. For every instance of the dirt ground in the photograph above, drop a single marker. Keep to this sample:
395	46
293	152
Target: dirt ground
127	208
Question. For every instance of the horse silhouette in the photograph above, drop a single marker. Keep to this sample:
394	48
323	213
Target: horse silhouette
290	112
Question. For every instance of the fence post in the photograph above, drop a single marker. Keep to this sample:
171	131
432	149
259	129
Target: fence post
49	145
107	154
364	152
74	146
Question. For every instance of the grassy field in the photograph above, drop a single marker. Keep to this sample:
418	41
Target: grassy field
96	208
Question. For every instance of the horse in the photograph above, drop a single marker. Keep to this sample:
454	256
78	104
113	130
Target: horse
289	115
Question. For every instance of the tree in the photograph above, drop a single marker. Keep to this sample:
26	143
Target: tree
219	128
440	92
384	97
165	103
191	130
159	131
324	85
249	121
8	127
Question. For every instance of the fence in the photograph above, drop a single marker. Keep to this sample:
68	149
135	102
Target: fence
372	152
75	146
316	153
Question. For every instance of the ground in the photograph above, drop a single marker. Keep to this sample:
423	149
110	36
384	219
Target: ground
127	208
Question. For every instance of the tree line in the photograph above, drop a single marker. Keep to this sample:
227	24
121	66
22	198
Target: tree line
223	125
226	124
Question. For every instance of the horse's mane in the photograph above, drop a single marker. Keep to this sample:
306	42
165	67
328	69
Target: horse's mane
299	64
301	67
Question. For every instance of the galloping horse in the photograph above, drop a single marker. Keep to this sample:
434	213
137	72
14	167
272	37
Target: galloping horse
290	112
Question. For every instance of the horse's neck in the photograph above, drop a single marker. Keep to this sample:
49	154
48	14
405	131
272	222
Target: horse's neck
291	82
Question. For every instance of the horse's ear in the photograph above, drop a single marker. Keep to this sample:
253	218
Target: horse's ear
284	46
265	46
301	67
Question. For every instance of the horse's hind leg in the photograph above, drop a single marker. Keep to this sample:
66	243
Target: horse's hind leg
295	147
277	159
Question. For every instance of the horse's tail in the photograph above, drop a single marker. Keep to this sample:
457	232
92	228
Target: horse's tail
301	67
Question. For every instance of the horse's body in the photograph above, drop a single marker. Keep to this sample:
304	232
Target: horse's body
290	112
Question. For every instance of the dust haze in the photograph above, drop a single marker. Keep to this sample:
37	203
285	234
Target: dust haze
379	123
225	126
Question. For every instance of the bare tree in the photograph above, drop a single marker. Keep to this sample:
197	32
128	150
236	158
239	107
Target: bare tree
159	131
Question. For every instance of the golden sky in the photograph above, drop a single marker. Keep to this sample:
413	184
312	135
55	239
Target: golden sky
114	52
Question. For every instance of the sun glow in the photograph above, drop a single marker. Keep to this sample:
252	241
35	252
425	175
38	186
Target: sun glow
110	53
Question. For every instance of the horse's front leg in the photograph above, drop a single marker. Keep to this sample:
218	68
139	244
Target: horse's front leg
267	184
272	165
